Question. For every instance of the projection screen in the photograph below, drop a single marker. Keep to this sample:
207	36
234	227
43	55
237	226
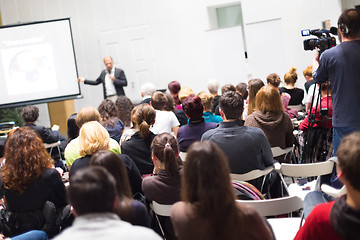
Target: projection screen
37	63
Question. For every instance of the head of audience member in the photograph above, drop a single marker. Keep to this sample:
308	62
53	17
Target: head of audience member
206	99
144	117
93	137
254	86
87	114
30	113
115	166
227	88
26	159
308	73
291	77
193	107
124	106
325	89
206	186
174	88
92	190
147	89
241	89
213	87
268	100
158	101
72	128
273	79
185	92
108	112
170	104
108	61
348	163
349	25
165	151
231	106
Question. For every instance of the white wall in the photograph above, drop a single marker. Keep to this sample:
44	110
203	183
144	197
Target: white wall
165	40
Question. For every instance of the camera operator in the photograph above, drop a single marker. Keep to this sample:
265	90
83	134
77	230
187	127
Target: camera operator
341	65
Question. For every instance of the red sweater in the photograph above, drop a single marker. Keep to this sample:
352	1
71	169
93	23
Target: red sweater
325	124
317	226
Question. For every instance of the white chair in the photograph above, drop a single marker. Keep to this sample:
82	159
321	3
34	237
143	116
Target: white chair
303	170
277	151
298	107
51	147
284	228
333	191
254	174
160	210
182	155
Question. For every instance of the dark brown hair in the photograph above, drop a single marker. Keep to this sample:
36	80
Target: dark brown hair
349	23
26	159
227	87
273	79
241	88
170	104
158	100
30	113
165	148
144	117
254	86
232	104
124	106
108	113
206	186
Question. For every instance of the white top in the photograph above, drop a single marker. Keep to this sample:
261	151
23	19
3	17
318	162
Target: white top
109	85
310	94
164	122
105	226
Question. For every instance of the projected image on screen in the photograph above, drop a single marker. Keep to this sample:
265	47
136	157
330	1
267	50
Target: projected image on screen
29	69
37	63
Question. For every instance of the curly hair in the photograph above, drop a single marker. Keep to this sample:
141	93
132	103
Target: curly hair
124	106
30	113
26	159
108	112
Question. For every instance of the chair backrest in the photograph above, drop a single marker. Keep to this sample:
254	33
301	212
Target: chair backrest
51	145
183	156
307	169
277	151
298	107
333	191
276	206
251	175
161	209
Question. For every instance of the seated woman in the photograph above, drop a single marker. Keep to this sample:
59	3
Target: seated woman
28	181
196	127
208	209
207	99
128	209
297	94
174	89
138	146
109	119
270	117
93	137
254	86
164	187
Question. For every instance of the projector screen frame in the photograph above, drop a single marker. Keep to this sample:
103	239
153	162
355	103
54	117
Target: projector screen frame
49	99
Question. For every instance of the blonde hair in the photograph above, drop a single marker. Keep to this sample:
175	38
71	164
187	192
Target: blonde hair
185	92
308	71
92	138
291	76
206	99
268	100
87	114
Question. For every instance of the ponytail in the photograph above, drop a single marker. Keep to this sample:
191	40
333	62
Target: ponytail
144	130
171	166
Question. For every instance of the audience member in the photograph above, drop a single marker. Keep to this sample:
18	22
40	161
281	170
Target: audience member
247	148
72	151
109	119
147	90
339	219
127	209
213	87
270	117
193	131
207	99
179	113
309	78
128	132
28	182
224	89
165	121
138	146
92	138
72	128
185	92
297	94
174	88
124	106
92	193
208	209
165	185
241	89
254	86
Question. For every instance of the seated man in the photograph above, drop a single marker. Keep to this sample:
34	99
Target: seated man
339	219
247	148
147	90
86	114
92	194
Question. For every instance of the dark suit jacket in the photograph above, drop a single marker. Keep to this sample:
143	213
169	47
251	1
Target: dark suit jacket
119	82
46	134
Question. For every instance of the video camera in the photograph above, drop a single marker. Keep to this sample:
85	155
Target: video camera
324	40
